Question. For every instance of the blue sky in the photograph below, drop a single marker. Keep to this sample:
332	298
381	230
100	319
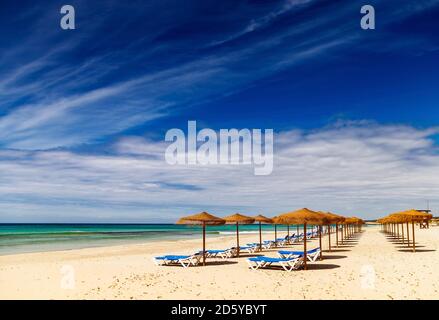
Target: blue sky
83	112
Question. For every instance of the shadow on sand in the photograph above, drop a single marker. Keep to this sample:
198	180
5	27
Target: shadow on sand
408	247
250	255
322	266
208	264
417	250
330	256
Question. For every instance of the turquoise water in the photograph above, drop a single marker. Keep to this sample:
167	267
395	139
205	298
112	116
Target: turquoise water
21	238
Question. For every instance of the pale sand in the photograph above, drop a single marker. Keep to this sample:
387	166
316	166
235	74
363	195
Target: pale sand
373	268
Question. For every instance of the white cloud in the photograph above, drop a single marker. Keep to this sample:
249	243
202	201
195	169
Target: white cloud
364	169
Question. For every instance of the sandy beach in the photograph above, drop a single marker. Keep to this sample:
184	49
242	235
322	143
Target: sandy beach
369	267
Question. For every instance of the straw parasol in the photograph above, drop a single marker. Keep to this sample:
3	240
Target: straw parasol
396	219
338	220
413	216
261	219
357	222
238	219
333	219
391	223
348	223
303	216
203	219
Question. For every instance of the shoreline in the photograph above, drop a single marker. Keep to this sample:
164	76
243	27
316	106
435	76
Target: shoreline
31	238
370	268
127	242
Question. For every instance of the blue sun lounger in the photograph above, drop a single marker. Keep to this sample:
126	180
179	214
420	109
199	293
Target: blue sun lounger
226	253
311	255
267	244
249	248
280	242
287	264
183	260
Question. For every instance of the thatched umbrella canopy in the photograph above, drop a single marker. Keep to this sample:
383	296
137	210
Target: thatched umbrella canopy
303	216
203	219
238	219
416	215
261	219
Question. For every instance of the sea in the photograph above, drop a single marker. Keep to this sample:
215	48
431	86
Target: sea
24	238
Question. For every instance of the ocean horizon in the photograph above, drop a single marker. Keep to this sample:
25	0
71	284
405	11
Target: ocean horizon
41	237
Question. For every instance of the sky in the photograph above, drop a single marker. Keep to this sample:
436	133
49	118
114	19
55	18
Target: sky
84	112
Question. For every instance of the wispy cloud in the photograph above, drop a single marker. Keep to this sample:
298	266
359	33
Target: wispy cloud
52	100
357	168
262	21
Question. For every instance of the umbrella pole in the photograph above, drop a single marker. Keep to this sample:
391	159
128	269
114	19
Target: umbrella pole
288	233
275	235
336	234
320	242
304	247
413	231
341	234
260	237
402	230
237	239
408	235
329	238
204	243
